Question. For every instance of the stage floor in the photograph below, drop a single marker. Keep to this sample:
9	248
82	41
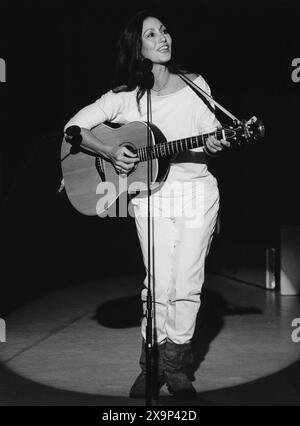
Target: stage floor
80	346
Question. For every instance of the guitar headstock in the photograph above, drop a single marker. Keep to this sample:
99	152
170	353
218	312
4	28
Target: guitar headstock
249	131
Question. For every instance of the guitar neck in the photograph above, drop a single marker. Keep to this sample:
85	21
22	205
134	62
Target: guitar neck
166	149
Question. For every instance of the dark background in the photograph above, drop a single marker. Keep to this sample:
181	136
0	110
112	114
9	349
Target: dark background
60	56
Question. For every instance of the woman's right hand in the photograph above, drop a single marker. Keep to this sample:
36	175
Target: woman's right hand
122	158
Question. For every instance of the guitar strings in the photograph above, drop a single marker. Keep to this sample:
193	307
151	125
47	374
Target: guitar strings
165	148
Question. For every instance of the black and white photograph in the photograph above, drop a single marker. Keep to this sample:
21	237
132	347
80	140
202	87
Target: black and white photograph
150	213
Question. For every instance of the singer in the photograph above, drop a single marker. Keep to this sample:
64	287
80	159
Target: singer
181	243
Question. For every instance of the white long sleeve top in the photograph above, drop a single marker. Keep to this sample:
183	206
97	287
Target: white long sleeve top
178	115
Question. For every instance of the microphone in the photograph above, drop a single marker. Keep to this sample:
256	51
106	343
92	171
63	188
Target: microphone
74	138
73	131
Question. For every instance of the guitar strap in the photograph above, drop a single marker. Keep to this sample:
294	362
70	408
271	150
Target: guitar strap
207	99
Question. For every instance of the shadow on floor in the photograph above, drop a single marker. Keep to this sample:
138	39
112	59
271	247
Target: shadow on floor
210	321
127	312
281	388
123	312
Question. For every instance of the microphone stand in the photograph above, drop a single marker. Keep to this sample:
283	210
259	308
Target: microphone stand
148	81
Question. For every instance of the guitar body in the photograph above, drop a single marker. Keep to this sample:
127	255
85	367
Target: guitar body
91	181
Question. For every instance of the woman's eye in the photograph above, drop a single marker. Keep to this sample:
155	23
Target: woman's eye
150	34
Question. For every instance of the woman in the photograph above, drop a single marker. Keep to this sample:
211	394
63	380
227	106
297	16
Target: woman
180	244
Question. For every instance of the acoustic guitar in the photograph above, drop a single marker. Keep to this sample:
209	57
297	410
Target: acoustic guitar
92	183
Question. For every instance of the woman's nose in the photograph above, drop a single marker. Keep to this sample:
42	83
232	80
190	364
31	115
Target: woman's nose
163	37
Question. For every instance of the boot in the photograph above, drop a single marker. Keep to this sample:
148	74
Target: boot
178	361
138	389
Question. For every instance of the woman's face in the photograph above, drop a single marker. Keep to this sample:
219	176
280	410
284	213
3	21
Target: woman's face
156	41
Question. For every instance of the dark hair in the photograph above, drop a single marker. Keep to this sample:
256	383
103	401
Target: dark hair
128	69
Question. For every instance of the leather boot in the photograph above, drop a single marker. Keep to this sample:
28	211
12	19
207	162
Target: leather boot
178	361
138	389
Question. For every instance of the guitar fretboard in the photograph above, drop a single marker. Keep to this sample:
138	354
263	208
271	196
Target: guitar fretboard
165	149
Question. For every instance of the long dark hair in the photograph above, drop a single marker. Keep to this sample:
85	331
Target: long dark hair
128	69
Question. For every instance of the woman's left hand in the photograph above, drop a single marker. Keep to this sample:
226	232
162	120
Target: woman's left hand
214	145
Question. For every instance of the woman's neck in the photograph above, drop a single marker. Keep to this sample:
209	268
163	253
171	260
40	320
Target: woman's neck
161	76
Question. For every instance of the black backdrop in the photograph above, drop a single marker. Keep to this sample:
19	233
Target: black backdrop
60	56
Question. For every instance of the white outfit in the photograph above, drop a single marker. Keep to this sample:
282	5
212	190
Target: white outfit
184	210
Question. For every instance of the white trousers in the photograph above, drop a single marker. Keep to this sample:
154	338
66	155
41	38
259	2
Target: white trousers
182	228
